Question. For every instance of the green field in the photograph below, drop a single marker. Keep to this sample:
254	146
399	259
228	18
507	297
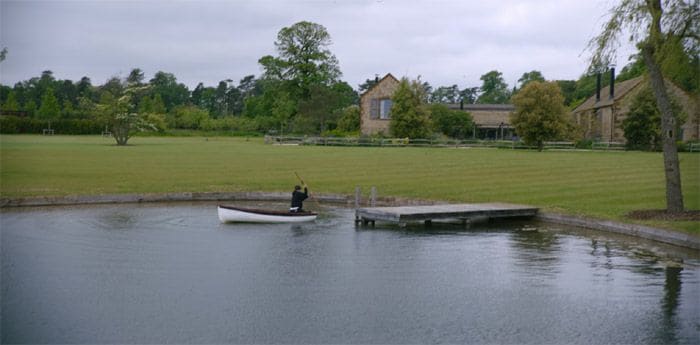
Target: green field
592	183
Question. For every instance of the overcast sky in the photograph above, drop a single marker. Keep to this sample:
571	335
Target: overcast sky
445	42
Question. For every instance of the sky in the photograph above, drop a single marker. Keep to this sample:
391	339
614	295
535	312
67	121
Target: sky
445	42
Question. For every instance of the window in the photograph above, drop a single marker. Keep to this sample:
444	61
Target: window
385	109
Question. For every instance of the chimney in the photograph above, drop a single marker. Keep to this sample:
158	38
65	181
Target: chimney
376	78
612	82
597	87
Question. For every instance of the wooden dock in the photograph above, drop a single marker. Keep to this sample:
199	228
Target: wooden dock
464	212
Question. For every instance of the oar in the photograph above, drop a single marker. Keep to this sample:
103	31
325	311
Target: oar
310	196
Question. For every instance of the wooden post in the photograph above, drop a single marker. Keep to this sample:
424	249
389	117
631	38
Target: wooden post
357	204
373	197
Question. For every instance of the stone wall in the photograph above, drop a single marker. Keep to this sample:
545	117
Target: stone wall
382	90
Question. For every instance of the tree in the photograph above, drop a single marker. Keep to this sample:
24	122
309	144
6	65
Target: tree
367	84
85	89
172	92
49	109
642	126
86	108
540	114
567	88
655	28
30	107
469	95
188	117
494	89
3	54
643	123
135	77
68	110
445	94
304	58
453	123
409	118
119	112
529	77
11	102
349	120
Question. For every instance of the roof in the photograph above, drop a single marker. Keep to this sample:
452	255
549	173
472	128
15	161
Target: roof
621	90
487	115
482	107
388	75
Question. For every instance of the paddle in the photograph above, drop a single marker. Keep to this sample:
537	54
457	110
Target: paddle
304	184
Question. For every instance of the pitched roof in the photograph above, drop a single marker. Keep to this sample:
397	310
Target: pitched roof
388	75
621	89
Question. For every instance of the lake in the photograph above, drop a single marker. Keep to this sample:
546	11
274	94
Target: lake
171	273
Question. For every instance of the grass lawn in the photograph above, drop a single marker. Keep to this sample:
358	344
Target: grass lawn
598	184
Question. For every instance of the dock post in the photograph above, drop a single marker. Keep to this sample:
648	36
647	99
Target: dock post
358	196
373	197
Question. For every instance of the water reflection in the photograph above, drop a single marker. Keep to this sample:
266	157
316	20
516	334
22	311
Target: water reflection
536	252
68	277
669	304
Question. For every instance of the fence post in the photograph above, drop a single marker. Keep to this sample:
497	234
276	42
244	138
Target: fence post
373	197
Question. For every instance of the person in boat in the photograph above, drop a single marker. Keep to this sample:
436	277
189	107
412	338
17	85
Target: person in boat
298	198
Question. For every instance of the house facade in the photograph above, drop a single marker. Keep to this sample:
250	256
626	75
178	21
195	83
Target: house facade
375	106
492	121
601	116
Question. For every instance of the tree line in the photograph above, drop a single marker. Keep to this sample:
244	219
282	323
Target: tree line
300	91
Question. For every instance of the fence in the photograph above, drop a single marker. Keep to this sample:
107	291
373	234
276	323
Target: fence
407	142
694	147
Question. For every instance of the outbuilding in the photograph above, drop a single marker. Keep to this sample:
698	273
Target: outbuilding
492	121
601	116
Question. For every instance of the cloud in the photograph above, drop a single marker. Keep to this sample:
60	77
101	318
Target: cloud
446	42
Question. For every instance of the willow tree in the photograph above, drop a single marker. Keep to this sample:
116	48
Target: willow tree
655	27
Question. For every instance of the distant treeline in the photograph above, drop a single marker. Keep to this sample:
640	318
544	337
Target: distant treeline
299	91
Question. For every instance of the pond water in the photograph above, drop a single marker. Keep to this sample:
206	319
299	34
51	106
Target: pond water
174	274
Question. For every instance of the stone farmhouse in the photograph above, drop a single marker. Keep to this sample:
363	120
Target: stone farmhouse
601	115
492	121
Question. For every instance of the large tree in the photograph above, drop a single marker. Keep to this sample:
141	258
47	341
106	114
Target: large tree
540	114
304	58
120	113
529	77
494	89
409	117
655	27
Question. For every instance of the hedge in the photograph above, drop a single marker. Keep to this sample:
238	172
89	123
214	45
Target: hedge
24	125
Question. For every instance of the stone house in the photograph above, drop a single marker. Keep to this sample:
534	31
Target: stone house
601	115
375	106
492	121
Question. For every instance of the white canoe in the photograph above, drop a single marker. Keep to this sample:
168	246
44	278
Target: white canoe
231	214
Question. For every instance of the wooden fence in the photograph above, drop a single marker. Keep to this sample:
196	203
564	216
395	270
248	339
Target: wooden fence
407	142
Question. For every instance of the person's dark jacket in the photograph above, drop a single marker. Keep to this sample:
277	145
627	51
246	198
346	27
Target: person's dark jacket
298	198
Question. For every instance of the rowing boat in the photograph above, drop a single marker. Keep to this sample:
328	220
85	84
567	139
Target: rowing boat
232	214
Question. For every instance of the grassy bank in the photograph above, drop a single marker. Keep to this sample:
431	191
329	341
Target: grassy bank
599	184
